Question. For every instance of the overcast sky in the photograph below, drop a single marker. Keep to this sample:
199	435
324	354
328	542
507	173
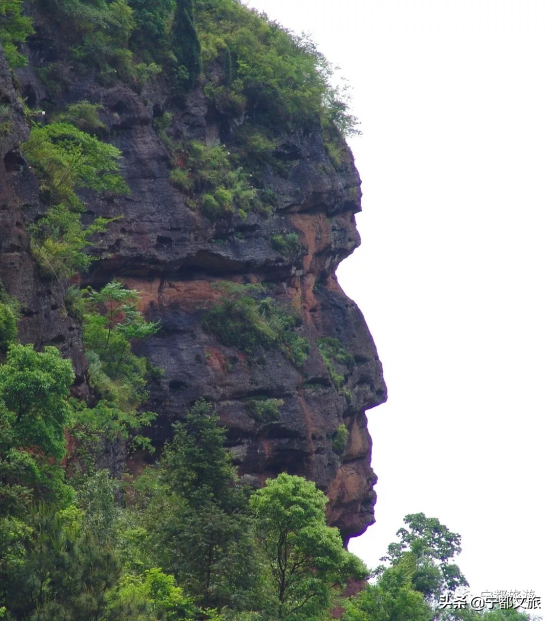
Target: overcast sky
454	272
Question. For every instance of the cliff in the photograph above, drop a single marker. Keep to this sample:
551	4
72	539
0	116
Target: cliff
176	255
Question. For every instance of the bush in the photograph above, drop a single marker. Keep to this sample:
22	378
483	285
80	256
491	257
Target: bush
248	323
14	30
66	159
340	439
98	32
8	327
58	241
111	322
181	179
286	243
332	352
151	37
211	176
265	411
83	116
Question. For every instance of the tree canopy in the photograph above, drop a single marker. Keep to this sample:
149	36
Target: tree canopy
306	558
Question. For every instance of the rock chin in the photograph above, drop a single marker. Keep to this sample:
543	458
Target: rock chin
172	254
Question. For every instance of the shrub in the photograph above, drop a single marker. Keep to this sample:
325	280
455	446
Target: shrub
340	439
58	241
332	352
65	159
6	123
286	243
246	322
209	174
150	38
265	411
8	327
98	32
83	116
111	322
161	125
181	179
14	30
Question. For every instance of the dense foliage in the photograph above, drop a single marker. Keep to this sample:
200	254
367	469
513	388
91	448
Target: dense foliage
419	576
305	558
250	321
190	542
277	76
219	187
66	159
15	27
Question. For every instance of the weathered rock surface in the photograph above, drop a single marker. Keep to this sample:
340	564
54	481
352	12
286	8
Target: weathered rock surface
172	254
44	319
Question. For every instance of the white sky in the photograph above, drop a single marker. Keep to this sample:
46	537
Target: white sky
454	273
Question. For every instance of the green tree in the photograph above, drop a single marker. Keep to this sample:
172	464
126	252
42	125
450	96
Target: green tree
97	34
153	20
34	411
420	572
200	519
84	116
59	241
305	558
34	387
112	322
378	602
152	595
186	46
60	570
493	615
433	546
393	597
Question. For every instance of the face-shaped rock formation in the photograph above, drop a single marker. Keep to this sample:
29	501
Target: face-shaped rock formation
176	258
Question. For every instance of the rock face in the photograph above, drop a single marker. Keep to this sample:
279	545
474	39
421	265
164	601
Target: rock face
172	254
44	319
